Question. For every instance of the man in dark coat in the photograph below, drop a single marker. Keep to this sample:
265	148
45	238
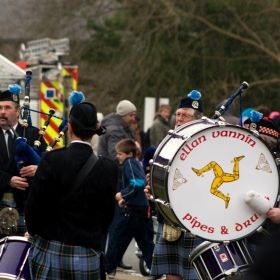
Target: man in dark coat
69	234
14	184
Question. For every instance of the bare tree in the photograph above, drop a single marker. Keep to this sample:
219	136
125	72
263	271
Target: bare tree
132	49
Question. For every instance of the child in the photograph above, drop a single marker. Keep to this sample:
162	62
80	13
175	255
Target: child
137	222
132	197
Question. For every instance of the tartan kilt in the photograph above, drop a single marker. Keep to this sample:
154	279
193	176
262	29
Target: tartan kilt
172	257
56	260
21	225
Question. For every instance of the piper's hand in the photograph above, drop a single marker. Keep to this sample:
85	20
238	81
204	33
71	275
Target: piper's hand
28	171
274	215
19	183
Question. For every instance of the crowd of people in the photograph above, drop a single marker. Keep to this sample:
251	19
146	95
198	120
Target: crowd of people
83	214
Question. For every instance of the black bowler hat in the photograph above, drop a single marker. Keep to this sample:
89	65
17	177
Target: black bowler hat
263	125
12	94
192	101
85	115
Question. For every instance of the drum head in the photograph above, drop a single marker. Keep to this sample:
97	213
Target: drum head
209	177
14	258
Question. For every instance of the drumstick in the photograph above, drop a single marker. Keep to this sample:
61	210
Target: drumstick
257	202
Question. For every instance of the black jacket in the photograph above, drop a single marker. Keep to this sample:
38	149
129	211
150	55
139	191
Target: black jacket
84	217
8	166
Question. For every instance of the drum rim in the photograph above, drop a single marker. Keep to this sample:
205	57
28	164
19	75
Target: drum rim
212	124
201	248
9	276
16	238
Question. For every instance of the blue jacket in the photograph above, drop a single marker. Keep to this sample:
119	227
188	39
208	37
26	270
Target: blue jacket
134	182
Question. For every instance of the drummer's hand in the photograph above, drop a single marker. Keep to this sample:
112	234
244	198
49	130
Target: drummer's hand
18	183
148	178
147	191
121	203
274	215
28	171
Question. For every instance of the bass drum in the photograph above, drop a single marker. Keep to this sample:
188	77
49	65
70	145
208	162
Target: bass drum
201	172
217	261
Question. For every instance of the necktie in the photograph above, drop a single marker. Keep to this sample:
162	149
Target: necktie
10	141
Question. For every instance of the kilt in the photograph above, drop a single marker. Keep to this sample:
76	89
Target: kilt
21	226
172	257
55	260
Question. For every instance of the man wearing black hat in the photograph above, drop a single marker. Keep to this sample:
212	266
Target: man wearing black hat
268	130
68	219
171	257
14	184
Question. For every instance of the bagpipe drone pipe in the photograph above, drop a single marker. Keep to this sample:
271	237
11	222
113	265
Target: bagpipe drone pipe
31	155
223	108
27	155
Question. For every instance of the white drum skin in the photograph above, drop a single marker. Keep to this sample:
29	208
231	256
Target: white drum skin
205	176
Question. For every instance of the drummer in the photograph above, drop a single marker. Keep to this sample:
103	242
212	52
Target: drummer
171	257
269	132
265	251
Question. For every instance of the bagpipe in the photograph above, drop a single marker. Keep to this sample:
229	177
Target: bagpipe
25	154
218	114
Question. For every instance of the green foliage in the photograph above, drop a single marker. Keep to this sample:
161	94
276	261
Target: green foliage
167	48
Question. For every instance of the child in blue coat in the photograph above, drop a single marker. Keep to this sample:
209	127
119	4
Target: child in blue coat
137	223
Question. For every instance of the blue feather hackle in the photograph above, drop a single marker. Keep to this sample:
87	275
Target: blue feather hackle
15	89
195	95
148	155
76	97
256	116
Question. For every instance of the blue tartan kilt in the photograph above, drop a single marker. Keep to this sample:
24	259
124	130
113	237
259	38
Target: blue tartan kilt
172	257
55	260
21	226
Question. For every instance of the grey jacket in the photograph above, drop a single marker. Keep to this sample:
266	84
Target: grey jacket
159	130
117	130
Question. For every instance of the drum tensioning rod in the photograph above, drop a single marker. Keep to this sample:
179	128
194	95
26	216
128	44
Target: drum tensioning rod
226	243
206	268
177	135
215	257
198	272
235	269
3	246
23	264
243	253
158	200
166	167
262	230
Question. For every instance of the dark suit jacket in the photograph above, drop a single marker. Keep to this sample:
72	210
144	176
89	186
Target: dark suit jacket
8	166
86	214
